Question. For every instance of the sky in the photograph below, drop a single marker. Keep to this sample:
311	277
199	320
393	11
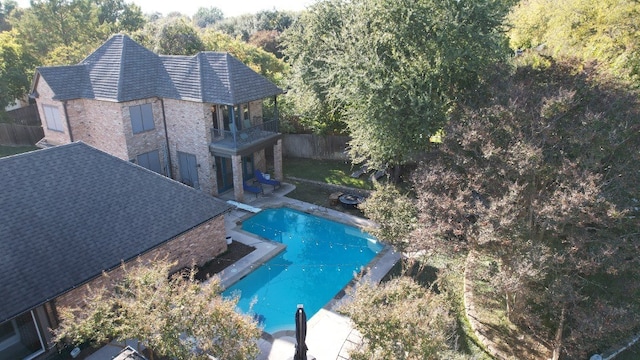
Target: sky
229	7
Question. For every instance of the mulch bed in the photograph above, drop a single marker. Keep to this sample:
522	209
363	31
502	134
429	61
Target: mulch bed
235	251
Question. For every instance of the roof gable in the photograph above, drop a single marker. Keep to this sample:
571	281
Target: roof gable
123	70
72	211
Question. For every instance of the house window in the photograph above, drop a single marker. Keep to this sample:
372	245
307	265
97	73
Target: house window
141	118
52	117
20	338
151	161
242	118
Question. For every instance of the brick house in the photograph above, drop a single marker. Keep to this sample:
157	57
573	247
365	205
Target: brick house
71	212
204	120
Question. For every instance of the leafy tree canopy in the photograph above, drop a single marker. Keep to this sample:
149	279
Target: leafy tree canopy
606	31
390	70
543	179
205	17
60	32
5	9
15	64
175	317
400	319
244	26
177	37
259	60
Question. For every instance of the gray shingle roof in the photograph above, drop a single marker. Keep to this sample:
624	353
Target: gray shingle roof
69	212
123	70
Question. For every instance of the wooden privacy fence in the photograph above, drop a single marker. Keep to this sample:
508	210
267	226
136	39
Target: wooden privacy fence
27	115
311	146
14	134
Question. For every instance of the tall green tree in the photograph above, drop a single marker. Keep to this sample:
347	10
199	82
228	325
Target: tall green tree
15	65
5	9
177	37
175	317
118	15
66	25
207	16
253	56
47	24
391	69
607	31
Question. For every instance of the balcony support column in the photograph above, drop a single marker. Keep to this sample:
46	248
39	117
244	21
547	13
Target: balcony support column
277	160
236	166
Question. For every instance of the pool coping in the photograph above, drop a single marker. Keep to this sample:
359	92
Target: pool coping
375	269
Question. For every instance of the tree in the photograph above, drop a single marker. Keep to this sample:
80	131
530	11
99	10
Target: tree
540	180
61	25
205	17
173	316
391	70
47	24
5	10
239	27
15	64
606	31
268	40
118	16
400	319
259	60
394	213
177	37
274	20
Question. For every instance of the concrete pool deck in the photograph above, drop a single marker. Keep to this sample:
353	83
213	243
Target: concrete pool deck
329	334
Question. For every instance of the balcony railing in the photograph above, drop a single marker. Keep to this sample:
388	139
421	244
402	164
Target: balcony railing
240	138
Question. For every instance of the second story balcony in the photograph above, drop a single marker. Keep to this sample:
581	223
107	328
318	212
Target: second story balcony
245	141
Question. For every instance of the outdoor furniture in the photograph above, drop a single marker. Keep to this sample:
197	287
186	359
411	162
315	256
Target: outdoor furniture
263	180
350	201
252	188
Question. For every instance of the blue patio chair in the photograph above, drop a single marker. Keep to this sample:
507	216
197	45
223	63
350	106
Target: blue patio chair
251	188
263	180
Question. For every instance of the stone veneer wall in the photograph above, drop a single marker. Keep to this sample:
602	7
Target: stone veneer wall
195	247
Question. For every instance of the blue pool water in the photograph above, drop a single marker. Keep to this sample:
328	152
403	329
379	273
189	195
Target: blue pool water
320	259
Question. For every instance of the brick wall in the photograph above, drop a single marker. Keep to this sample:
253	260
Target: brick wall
99	124
189	128
194	247
45	97
144	142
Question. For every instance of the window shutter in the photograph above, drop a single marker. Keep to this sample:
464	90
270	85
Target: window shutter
136	119
151	161
154	161
147	117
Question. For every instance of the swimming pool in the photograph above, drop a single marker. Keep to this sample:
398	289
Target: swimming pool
320	258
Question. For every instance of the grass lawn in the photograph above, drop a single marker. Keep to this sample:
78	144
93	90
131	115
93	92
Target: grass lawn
12	150
327	171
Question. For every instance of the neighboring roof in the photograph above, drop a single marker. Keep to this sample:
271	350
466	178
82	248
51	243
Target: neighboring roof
123	70
69	212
